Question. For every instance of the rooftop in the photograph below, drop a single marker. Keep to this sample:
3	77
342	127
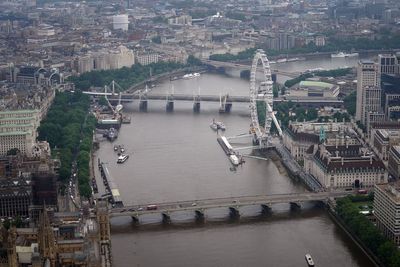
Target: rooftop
316	84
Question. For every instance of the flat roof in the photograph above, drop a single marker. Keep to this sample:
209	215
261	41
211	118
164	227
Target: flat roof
14	133
316	84
19	111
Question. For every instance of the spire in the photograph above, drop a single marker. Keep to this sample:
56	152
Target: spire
47	244
322	136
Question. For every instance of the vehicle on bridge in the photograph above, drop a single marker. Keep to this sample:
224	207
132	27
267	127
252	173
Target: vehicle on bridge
152	207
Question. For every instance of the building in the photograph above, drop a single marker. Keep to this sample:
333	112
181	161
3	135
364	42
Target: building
60	239
387	210
320	40
27	182
299	136
383	140
344	166
181	20
105	59
368	90
18	130
120	22
314	89
394	161
147	58
16	196
388	64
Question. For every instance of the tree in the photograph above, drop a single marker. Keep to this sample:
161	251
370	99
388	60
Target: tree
350	103
103	101
156	39
193	61
13	152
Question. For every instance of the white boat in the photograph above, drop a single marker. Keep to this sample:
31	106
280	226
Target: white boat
214	126
122	150
220	125
341	55
234	159
191	75
309	260
122	158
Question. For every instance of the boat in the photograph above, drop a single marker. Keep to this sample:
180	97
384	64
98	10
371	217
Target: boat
115	148
214	126
342	55
282	60
191	75
217	125
112	134
122	158
234	159
220	125
122	149
309	260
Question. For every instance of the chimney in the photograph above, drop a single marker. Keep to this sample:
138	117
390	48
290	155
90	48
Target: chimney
370	159
342	161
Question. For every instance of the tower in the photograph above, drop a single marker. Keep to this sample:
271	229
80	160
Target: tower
368	90
46	239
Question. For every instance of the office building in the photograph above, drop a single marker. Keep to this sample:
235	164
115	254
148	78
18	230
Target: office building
344	166
394	161
368	90
387	210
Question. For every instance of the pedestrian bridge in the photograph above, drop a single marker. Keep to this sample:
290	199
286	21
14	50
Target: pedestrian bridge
232	203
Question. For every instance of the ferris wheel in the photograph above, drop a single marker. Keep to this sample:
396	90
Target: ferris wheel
261	91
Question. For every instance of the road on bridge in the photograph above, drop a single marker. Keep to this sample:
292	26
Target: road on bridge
235	202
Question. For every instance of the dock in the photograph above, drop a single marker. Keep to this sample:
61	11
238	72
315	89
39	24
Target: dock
228	149
111	187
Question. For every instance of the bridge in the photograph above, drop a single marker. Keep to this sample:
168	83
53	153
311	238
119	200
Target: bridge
232	203
315	101
222	64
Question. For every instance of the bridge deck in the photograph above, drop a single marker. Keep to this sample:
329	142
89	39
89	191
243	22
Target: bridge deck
236	202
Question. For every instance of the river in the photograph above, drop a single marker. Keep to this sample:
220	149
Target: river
175	156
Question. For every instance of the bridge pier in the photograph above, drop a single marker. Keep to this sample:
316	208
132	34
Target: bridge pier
234	213
200	218
143	105
170	106
135	219
166	219
196	106
228	107
295	206
265	209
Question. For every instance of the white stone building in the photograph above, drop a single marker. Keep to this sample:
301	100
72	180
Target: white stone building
387	210
345	166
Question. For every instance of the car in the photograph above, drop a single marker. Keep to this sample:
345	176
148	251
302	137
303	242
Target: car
151	207
235	201
140	209
123	210
194	204
132	209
